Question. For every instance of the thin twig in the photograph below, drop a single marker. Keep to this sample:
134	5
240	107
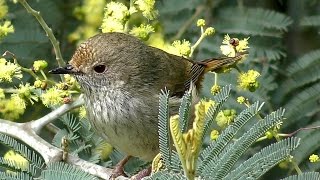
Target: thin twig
54	41
300	129
188	23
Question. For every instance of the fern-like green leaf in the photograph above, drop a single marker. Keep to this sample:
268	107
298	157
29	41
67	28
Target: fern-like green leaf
23	150
61	171
175	162
219	99
304	176
71	122
310	21
264	160
307	76
166	175
309	59
16	166
184	110
215	147
219	169
15	176
257	22
164	132
305	101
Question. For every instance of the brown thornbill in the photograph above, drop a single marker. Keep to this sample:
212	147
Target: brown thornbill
121	79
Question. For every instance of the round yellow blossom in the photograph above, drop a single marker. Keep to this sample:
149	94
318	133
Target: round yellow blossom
70	80
214	134
25	92
37	83
117	11
230	50
5	29
201	22
142	32
243	45
209	31
241	99
215	89
52	96
39	65
147	8
314	158
9	109
8	71
225	117
181	48
18	101
111	25
248	80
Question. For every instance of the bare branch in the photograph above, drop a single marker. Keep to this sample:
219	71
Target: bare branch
50	153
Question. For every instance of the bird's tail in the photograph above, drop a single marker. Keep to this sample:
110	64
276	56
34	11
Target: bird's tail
212	64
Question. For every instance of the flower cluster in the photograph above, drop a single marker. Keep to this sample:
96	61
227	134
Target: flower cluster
314	158
52	97
24	92
142	32
147	8
181	48
10	109
5	29
225	117
39	65
248	80
233	45
8	71
115	16
214	134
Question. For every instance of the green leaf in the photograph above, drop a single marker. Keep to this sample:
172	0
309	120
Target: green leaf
164	132
264	160
63	171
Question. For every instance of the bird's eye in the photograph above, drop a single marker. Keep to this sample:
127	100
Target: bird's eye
99	68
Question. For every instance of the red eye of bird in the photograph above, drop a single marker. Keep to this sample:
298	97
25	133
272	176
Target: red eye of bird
99	68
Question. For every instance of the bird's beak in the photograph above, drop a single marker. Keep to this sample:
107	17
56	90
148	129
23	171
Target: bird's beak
63	70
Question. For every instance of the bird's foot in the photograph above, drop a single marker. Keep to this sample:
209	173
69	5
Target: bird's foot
118	169
141	174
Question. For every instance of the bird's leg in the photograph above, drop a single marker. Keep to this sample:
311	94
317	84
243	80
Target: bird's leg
141	174
118	169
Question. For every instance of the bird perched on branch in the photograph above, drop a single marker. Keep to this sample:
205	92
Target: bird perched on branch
121	78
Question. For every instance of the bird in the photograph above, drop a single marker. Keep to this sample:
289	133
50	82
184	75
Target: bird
121	78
